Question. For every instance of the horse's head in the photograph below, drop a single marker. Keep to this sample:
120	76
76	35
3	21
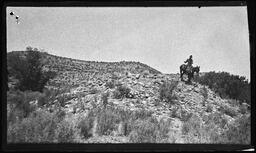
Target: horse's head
197	69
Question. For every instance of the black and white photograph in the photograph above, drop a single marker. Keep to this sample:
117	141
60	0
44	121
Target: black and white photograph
120	75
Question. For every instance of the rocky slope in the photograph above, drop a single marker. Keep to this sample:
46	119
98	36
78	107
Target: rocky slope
86	82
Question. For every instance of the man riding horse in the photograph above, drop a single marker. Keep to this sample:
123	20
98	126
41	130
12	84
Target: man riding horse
188	69
189	65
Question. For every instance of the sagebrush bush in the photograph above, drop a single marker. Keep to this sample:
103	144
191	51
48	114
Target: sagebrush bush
209	108
67	132
150	130
192	124
50	95
174	112
239	132
93	91
243	109
144	131
215	118
196	132
40	127
163	130
204	92
110	84
121	92
107	120
19	104
166	91
86	125
104	98
228	110
185	115
141	114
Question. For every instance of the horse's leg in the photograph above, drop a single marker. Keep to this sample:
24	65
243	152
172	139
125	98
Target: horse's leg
181	74
189	78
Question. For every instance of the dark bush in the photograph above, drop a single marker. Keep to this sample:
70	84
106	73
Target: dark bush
104	98
28	70
121	92
93	91
228	110
110	84
209	108
86	125
19	104
166	91
50	95
227	85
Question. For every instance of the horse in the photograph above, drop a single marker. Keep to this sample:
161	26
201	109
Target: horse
183	70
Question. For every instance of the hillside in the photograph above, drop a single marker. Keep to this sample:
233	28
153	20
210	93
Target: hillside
121	102
73	72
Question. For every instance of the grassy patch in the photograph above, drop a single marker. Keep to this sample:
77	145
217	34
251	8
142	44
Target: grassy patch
239	132
42	127
166	91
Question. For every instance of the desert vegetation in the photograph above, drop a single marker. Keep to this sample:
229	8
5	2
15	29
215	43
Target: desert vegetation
227	85
53	100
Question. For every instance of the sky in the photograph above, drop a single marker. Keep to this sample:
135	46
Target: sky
161	37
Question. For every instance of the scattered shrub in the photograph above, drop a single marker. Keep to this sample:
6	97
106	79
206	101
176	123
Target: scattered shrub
50	95
19	104
166	91
204	92
209	108
228	110
192	125
107	121
110	84
144	131
114	76
196	132
93	91
104	98
66	132
174	112
239	132
217	119
40	127
243	109
150	130
185	116
121	92
163	128
86	125
141	114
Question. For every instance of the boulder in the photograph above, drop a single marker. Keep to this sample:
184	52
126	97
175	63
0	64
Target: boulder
137	76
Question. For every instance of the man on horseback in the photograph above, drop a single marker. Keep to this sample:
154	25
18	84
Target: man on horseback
188	69
189	65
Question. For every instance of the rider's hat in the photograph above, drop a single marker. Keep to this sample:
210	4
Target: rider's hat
190	56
